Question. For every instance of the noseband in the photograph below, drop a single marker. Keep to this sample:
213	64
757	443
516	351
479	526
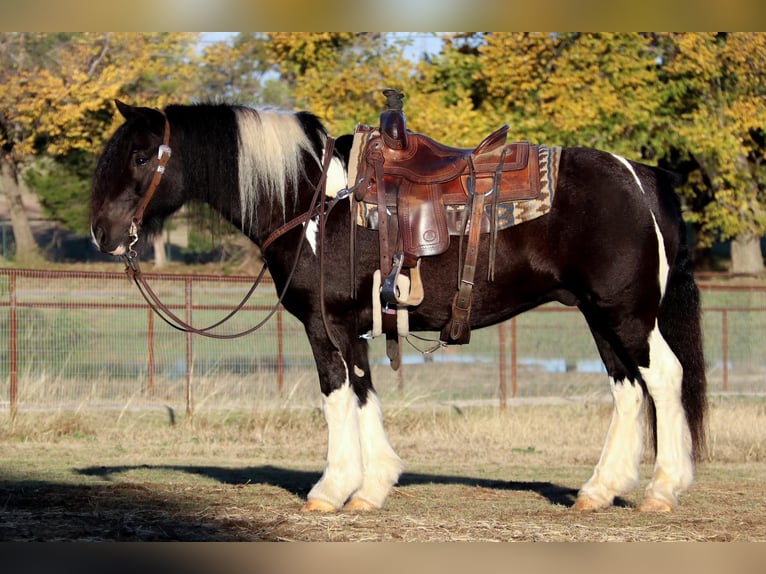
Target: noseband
163	155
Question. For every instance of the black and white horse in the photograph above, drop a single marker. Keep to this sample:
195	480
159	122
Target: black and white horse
612	244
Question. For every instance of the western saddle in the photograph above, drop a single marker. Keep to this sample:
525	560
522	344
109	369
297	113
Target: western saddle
417	192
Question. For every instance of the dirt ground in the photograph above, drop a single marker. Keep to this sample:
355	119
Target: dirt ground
473	475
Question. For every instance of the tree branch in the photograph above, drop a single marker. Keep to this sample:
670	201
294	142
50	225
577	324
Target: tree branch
100	57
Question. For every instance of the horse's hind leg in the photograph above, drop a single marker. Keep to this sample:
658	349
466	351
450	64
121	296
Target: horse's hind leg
674	466
617	470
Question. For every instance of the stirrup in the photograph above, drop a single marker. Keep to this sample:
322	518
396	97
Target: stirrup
402	315
398	289
389	291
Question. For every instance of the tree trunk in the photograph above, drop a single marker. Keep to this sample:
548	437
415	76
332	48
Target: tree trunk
746	255
27	250
160	258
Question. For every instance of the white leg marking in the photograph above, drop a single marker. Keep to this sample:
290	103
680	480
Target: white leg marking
664	267
343	471
617	470
382	466
674	467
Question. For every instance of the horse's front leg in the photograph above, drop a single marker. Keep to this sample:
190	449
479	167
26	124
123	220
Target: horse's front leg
381	465
343	469
361	466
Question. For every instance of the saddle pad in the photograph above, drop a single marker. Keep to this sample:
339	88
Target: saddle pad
509	213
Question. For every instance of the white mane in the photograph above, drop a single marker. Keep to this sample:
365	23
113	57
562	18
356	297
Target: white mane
270	160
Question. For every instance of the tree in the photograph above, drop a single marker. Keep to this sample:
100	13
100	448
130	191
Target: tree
12	55
241	71
715	117
56	102
596	90
339	75
691	102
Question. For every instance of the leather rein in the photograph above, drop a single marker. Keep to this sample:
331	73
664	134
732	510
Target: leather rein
133	270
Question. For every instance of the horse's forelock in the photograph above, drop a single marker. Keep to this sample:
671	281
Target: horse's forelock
272	144
110	165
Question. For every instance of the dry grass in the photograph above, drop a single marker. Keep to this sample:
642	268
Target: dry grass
474	473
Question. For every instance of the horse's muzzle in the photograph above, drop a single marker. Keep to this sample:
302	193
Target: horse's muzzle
101	240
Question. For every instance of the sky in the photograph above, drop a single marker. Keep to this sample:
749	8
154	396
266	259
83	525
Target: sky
422	42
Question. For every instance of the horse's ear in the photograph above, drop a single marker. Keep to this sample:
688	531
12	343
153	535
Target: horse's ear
153	117
125	109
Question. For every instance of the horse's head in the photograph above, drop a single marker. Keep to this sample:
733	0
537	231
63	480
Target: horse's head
133	190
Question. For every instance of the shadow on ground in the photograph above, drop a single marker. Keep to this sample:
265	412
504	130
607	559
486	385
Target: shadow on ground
137	511
300	482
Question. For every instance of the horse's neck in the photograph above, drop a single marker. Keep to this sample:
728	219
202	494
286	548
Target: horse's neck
267	217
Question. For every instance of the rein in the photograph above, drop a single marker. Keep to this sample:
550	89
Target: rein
133	270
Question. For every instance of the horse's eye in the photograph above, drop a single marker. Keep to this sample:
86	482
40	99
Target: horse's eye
141	160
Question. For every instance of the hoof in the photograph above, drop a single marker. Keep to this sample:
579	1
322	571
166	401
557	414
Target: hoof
585	504
655	505
359	505
317	505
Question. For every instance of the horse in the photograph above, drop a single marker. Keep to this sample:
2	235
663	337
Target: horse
613	245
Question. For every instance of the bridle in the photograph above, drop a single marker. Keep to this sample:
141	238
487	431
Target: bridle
133	270
163	156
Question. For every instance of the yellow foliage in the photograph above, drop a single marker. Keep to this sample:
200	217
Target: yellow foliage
55	97
719	86
698	96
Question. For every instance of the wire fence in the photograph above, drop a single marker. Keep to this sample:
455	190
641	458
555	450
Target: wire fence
87	339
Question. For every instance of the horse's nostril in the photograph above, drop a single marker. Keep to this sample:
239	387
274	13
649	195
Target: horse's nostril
98	234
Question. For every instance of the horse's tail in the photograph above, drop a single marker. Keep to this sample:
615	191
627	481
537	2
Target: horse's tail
679	321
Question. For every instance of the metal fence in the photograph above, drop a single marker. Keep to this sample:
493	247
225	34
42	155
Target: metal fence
75	339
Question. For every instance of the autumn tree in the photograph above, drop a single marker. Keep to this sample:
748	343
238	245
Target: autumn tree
339	75
56	104
691	102
589	89
715	122
240	70
447	97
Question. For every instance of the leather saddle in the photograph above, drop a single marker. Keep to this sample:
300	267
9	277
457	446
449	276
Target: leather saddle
418	192
428	185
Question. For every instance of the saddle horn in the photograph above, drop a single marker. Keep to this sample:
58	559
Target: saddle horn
393	126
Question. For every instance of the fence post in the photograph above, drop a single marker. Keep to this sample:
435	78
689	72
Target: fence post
189	358
514	359
503	389
725	345
13	358
280	353
150	341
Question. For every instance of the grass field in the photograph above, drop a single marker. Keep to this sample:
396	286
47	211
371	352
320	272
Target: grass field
473	474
